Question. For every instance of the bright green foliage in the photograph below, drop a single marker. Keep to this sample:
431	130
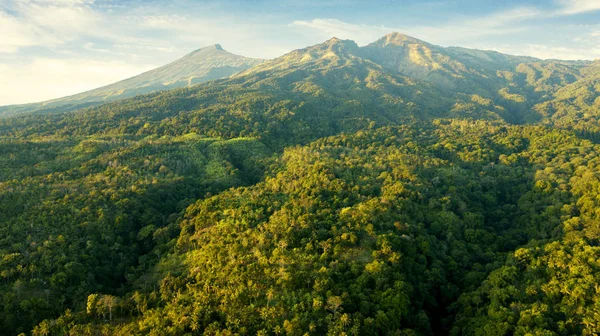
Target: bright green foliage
378	232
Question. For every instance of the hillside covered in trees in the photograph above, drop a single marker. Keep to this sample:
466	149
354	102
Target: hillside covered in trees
399	188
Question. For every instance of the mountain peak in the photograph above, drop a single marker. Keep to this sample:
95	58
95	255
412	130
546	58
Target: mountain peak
396	38
208	63
333	52
337	43
398	35
209	48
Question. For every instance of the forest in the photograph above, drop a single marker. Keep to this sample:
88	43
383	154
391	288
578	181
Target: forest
332	191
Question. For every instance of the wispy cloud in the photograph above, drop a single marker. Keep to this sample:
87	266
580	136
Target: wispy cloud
52	23
465	28
467	31
550	52
461	29
335	28
92	47
44	23
17	34
571	7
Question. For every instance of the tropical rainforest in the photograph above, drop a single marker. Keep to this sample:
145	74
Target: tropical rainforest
399	188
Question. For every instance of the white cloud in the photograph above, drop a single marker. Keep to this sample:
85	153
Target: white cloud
92	47
335	28
57	23
570	7
550	52
71	19
44	78
474	32
17	34
62	2
504	18
452	32
159	21
44	23
458	30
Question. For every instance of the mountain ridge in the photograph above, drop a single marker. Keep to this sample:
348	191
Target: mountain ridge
412	57
434	81
396	51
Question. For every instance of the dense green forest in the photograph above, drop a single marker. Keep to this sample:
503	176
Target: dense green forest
395	189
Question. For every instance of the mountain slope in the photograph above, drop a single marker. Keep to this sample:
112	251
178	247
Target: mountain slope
515	82
576	106
202	65
462	69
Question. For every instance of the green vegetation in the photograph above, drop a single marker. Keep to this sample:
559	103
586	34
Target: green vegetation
85	215
395	189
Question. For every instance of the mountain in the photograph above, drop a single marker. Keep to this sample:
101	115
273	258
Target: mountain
455	67
445	67
399	188
202	65
517	82
338	86
304	95
474	77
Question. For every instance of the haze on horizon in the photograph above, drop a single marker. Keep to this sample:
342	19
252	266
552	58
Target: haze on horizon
55	48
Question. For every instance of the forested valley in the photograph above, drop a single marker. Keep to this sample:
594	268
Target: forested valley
398	188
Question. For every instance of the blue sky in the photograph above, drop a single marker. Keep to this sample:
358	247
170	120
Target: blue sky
52	48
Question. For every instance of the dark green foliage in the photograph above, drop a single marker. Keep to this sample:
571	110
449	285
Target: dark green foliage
84	215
